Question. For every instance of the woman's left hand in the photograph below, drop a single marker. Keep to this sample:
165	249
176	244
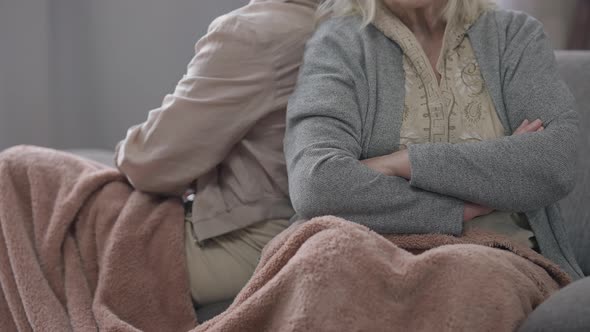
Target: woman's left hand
393	164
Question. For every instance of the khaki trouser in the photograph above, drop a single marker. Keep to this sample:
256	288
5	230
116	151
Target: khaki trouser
221	266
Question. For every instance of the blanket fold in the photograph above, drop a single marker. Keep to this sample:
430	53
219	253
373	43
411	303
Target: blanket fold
328	274
80	250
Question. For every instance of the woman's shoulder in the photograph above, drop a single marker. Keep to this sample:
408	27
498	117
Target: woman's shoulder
343	28
510	23
348	34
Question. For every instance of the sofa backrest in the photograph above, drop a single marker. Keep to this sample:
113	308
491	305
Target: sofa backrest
575	71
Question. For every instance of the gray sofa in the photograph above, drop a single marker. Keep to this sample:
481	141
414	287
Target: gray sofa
569	309
575	208
575	70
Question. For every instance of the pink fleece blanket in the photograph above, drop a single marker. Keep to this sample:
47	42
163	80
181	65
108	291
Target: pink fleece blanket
80	250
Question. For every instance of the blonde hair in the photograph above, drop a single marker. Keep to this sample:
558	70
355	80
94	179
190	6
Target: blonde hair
461	11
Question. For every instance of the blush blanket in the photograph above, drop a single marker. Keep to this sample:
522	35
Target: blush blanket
80	250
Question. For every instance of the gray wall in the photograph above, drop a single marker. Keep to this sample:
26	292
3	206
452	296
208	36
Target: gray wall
79	73
24	73
139	51
556	16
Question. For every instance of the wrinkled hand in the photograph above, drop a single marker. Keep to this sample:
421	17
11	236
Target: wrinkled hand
393	164
472	210
529	127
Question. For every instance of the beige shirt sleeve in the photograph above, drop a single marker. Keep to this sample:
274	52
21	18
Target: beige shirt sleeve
228	87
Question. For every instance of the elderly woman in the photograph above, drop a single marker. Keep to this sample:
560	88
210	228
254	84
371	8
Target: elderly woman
433	116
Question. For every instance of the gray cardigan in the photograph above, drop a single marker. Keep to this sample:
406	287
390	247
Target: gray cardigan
348	107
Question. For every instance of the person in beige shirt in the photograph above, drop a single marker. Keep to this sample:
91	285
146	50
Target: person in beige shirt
220	133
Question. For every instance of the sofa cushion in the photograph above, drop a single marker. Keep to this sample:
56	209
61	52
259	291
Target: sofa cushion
575	70
102	156
566	310
211	310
